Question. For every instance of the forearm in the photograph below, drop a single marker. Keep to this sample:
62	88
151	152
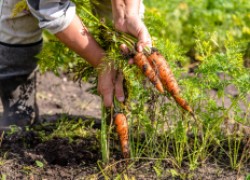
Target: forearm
78	39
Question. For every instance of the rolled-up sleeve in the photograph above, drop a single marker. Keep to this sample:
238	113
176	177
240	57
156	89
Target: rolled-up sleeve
53	15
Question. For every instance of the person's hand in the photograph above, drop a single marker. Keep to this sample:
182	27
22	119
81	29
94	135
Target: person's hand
134	25
110	82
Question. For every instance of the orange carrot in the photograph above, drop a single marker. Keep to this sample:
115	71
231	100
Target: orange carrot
122	131
159	63
142	62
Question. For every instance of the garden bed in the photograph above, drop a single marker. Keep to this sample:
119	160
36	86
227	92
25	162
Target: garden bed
29	155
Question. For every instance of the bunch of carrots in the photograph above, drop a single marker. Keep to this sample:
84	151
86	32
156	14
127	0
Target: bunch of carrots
155	67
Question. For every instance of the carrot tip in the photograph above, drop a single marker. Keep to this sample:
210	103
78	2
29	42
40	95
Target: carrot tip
160	89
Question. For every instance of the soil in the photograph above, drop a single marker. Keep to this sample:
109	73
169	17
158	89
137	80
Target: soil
25	155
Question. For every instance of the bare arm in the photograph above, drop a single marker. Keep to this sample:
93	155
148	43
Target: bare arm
77	38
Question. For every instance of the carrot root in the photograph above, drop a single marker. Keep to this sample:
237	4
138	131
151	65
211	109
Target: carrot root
122	131
166	76
180	101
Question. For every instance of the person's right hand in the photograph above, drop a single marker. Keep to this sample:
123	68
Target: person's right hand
134	25
127	16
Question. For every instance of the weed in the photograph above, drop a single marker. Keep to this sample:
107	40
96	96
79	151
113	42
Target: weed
65	128
3	177
248	177
39	164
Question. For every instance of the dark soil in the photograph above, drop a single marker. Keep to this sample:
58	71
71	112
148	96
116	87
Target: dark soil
27	155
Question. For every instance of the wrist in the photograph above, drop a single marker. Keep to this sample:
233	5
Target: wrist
97	58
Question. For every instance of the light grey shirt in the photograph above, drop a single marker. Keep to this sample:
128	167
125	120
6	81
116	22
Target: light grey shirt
53	15
24	28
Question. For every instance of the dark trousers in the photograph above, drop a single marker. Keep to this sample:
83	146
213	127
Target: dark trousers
18	65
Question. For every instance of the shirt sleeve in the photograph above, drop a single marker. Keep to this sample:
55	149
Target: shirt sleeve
53	15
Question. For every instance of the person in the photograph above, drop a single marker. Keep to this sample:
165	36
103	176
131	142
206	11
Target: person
21	41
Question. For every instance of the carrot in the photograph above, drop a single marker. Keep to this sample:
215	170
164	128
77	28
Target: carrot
122	131
141	61
159	63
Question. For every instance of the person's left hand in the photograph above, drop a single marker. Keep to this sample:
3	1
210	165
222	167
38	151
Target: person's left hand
110	83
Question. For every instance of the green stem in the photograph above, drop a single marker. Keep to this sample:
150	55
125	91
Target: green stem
131	141
90	14
104	140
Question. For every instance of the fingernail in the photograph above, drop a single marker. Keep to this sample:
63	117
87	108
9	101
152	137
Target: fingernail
121	99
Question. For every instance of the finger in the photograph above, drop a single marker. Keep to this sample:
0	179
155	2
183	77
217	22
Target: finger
106	88
119	92
126	52
107	95
131	61
124	49
144	40
108	98
143	46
